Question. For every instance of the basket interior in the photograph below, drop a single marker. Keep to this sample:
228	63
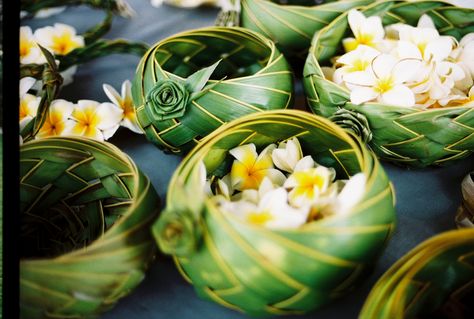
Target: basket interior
240	53
69	199
321	142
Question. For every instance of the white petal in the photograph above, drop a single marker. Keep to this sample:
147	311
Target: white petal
399	95
265	186
108	133
68	75
360	78
356	19
438	49
405	70
61	28
44	36
126	89
132	125
68	128
305	163
280	160
110	116
25	121
373	25
276	176
426	22
274	200
352	193
407	49
62	106
338	75
241	152
468	38
112	94
45	13
26	84
363	94
383	64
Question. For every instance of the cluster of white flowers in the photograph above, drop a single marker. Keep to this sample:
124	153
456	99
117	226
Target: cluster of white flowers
85	118
59	39
404	65
280	188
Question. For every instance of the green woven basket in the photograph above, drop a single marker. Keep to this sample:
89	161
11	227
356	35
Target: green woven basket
292	24
266	272
252	76
85	237
434	280
403	135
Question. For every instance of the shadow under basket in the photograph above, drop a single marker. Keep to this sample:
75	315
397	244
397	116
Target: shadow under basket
252	76
265	272
85	215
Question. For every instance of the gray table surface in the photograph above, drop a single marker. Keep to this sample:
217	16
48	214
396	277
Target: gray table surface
426	198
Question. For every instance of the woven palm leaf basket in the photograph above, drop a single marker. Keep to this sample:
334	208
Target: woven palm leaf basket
239	71
404	135
86	211
261	271
434	280
291	24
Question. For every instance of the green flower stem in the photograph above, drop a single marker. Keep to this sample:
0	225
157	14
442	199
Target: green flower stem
33	6
98	49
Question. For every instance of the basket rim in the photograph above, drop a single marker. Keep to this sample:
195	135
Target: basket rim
137	194
369	165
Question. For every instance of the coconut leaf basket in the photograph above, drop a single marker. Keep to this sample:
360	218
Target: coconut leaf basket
188	85
86	211
291	24
407	136
266	272
434	280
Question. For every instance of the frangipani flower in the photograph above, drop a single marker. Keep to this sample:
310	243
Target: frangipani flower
28	103
249	168
60	39
29	50
349	196
307	186
287	155
384	81
125	102
95	120
367	31
272	211
254	195
57	122
354	61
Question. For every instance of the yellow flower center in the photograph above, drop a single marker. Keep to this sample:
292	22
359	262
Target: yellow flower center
64	44
359	65
25	110
250	171
87	121
366	39
128	110
307	182
384	85
25	46
259	218
54	125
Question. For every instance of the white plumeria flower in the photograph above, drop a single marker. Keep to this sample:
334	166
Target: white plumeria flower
287	155
254	195
249	168
57	122
462	3
46	13
308	186
272	211
354	61
463	55
367	31
458	98
384	81
29	50
94	119
68	75
59	39
125	102
224	187
28	102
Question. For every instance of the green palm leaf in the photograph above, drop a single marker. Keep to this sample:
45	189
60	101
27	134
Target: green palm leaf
266	272
402	135
252	76
85	213
292	25
434	280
